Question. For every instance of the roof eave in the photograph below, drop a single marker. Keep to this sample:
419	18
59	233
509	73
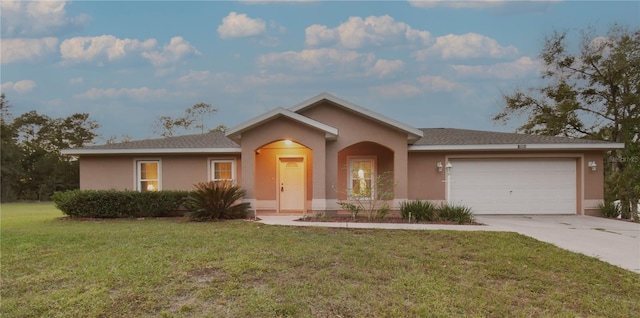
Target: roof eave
79	152
413	134
521	147
331	133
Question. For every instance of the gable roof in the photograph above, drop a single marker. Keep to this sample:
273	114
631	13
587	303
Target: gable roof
436	139
331	133
413	134
423	139
212	142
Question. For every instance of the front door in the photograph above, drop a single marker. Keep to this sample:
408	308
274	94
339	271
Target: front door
291	187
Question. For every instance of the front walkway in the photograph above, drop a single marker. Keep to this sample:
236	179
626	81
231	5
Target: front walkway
612	241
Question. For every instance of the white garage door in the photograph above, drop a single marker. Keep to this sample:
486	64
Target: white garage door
518	186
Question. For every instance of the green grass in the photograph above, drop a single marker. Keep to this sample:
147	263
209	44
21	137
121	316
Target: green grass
53	267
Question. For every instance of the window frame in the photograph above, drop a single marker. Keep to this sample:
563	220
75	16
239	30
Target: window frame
138	174
351	179
212	171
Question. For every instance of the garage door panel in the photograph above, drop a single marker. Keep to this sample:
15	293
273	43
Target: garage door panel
498	186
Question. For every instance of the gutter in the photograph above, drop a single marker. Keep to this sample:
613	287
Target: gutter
521	147
76	152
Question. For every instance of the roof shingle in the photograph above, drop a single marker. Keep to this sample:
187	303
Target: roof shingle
214	139
452	136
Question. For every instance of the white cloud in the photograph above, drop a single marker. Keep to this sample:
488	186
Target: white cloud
397	90
421	85
26	50
436	84
194	77
140	94
371	31
110	48
85	49
177	49
520	67
501	6
470	45
19	87
318	34
475	4
240	25
276	1
263	78
36	18
318	60
383	68
76	80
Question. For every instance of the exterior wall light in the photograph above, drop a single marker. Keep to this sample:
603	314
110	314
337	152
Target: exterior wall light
448	166
593	165
439	166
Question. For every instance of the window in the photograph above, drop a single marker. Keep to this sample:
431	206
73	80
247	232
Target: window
148	175
223	170
361	178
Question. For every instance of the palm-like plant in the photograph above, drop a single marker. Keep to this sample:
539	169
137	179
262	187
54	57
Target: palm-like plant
215	200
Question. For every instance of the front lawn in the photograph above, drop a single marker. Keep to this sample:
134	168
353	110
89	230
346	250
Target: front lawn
54	267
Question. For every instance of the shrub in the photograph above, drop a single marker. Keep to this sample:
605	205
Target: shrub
383	211
216	200
609	209
354	209
456	213
420	210
160	204
118	204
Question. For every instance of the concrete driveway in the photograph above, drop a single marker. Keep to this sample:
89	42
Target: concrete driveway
613	241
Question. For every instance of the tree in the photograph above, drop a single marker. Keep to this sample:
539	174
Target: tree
593	94
10	154
193	117
32	165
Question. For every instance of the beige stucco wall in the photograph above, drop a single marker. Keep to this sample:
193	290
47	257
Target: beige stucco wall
259	169
425	182
178	172
593	182
107	172
382	155
354	129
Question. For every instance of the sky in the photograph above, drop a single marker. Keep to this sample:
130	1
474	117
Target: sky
425	63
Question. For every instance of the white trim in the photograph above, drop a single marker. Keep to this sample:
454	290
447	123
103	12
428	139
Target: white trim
266	205
211	170
580	200
414	133
137	171
521	147
331	133
397	202
252	203
148	151
319	204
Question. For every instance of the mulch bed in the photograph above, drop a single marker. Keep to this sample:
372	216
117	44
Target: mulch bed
348	219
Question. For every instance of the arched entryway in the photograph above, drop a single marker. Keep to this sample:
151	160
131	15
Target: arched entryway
283	177
362	166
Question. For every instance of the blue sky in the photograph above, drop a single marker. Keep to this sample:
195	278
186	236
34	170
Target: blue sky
425	63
